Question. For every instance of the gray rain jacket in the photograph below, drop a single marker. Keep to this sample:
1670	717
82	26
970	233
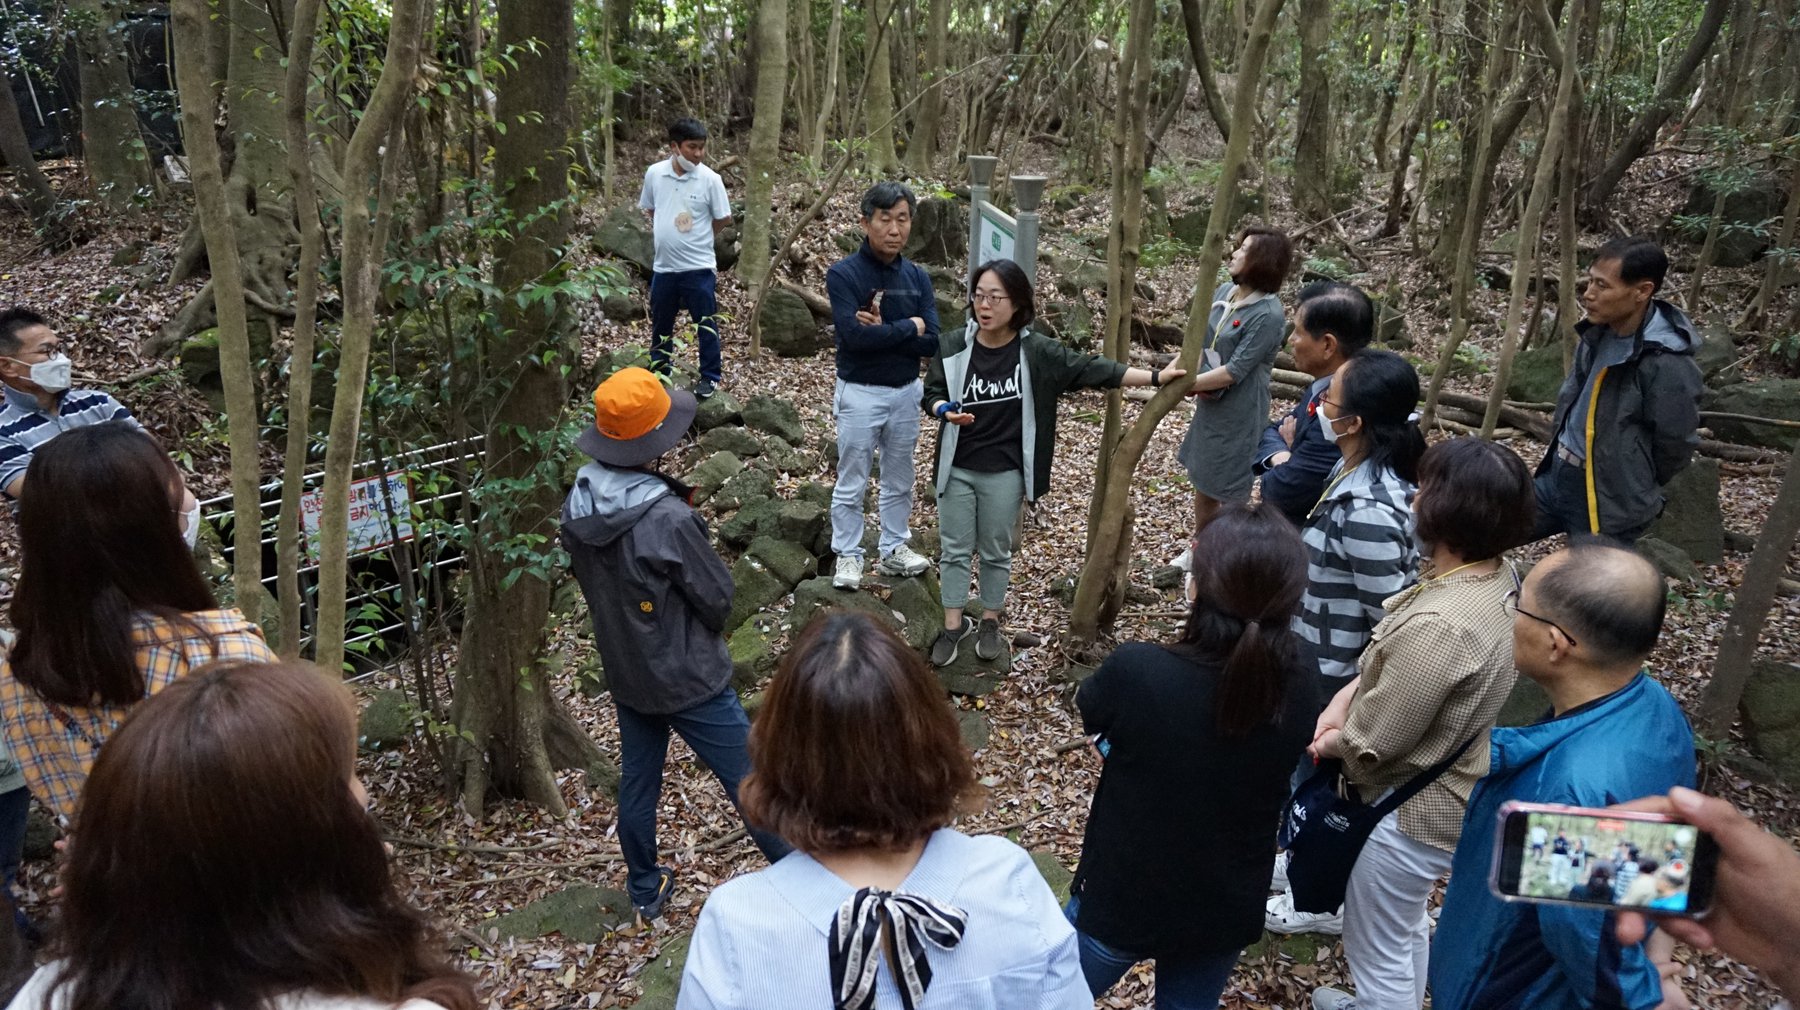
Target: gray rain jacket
658	592
1645	424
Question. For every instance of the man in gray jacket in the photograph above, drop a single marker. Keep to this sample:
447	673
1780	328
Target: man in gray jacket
1628	415
659	595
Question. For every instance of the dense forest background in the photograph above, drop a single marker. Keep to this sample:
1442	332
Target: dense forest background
310	241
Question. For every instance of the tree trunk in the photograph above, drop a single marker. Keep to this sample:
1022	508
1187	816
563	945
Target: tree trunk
1743	37
1110	541
362	259
1313	170
515	731
1750	609
878	105
1542	185
1123	249
765	149
258	190
1390	95
15	149
1643	130
1193	18
830	101
301	44
921	150
1419	122
1771	278
111	146
189	23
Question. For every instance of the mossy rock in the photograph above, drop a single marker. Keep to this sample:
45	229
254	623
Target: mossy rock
1771	710
1058	876
909	606
775	416
974	726
386	721
745	486
757	589
733	439
747	522
583	914
799	522
712	474
815	492
752	657
792	563
1537	375
661	978
718	410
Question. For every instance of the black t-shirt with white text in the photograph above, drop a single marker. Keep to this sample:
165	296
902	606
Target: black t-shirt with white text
995	441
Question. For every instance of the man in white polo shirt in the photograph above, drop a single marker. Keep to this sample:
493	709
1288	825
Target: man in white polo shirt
687	205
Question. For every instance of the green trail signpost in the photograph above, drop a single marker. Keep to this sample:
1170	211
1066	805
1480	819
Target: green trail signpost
995	234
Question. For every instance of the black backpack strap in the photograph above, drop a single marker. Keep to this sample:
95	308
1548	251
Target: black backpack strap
1391	802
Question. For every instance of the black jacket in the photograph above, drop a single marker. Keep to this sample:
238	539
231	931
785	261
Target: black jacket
1181	838
1646	421
1294	486
888	354
658	592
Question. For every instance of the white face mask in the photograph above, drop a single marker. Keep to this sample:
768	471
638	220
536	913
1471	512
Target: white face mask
684	164
1329	426
52	376
190	526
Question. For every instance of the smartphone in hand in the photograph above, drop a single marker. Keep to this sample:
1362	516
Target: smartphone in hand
1587	856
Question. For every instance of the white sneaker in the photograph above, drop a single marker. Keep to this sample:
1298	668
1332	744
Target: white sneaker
1278	880
1332	999
848	574
1279	917
903	561
1183	561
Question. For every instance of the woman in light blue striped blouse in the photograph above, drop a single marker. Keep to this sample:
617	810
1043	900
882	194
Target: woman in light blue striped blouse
857	761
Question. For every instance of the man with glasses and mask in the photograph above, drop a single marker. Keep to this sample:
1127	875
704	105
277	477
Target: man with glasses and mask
1584	622
40	404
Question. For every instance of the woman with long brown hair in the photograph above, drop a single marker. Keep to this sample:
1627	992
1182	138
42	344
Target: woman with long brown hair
856	759
225	860
110	607
1198	739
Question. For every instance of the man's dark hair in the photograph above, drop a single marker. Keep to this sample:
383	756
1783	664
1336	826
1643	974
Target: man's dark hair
683	130
1639	260
885	195
13	321
1609	598
1018	289
1475	497
1342	310
1266	265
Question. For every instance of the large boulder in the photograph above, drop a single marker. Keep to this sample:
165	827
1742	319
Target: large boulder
747	522
757	589
1670	560
624	234
580	914
775	416
969	675
1718	356
752	657
788	327
386	721
940	232
908	606
712	473
1766	397
717	411
798	522
1692	520
1537	375
1771	708
744	487
1746	214
733	439
792	563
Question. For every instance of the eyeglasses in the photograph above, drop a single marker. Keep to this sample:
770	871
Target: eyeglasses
1512	604
983	298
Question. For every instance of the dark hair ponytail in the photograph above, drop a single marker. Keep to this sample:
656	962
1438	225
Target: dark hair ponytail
1382	388
1251	572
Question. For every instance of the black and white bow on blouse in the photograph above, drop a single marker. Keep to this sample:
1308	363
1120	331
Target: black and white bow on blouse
856	944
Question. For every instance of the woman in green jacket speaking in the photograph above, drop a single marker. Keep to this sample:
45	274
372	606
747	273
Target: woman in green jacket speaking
993	386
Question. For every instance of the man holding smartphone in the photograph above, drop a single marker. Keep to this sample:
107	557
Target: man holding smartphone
885	313
1584	621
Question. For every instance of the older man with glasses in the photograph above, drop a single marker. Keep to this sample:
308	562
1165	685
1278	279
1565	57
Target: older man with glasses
1584	622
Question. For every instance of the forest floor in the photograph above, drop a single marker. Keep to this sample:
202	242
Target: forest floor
467	872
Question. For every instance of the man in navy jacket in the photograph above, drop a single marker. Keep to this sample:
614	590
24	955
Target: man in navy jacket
885	314
1333	322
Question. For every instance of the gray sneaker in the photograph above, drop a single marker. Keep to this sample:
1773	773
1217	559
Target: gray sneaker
943	651
903	561
989	643
1332	999
848	574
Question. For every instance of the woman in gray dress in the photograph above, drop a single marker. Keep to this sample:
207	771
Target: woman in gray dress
1243	334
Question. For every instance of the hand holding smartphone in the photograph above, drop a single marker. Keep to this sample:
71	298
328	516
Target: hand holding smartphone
1621	859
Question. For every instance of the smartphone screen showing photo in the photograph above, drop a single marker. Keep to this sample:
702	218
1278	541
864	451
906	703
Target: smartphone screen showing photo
1606	858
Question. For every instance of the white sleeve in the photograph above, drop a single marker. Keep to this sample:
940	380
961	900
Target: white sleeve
721	200
647	195
36	993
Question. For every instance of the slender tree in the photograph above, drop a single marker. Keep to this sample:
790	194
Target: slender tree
112	147
878	103
921	149
1750	609
765	146
15	151
1312	120
514	733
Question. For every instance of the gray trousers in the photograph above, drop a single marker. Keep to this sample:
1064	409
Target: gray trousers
978	514
871	418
